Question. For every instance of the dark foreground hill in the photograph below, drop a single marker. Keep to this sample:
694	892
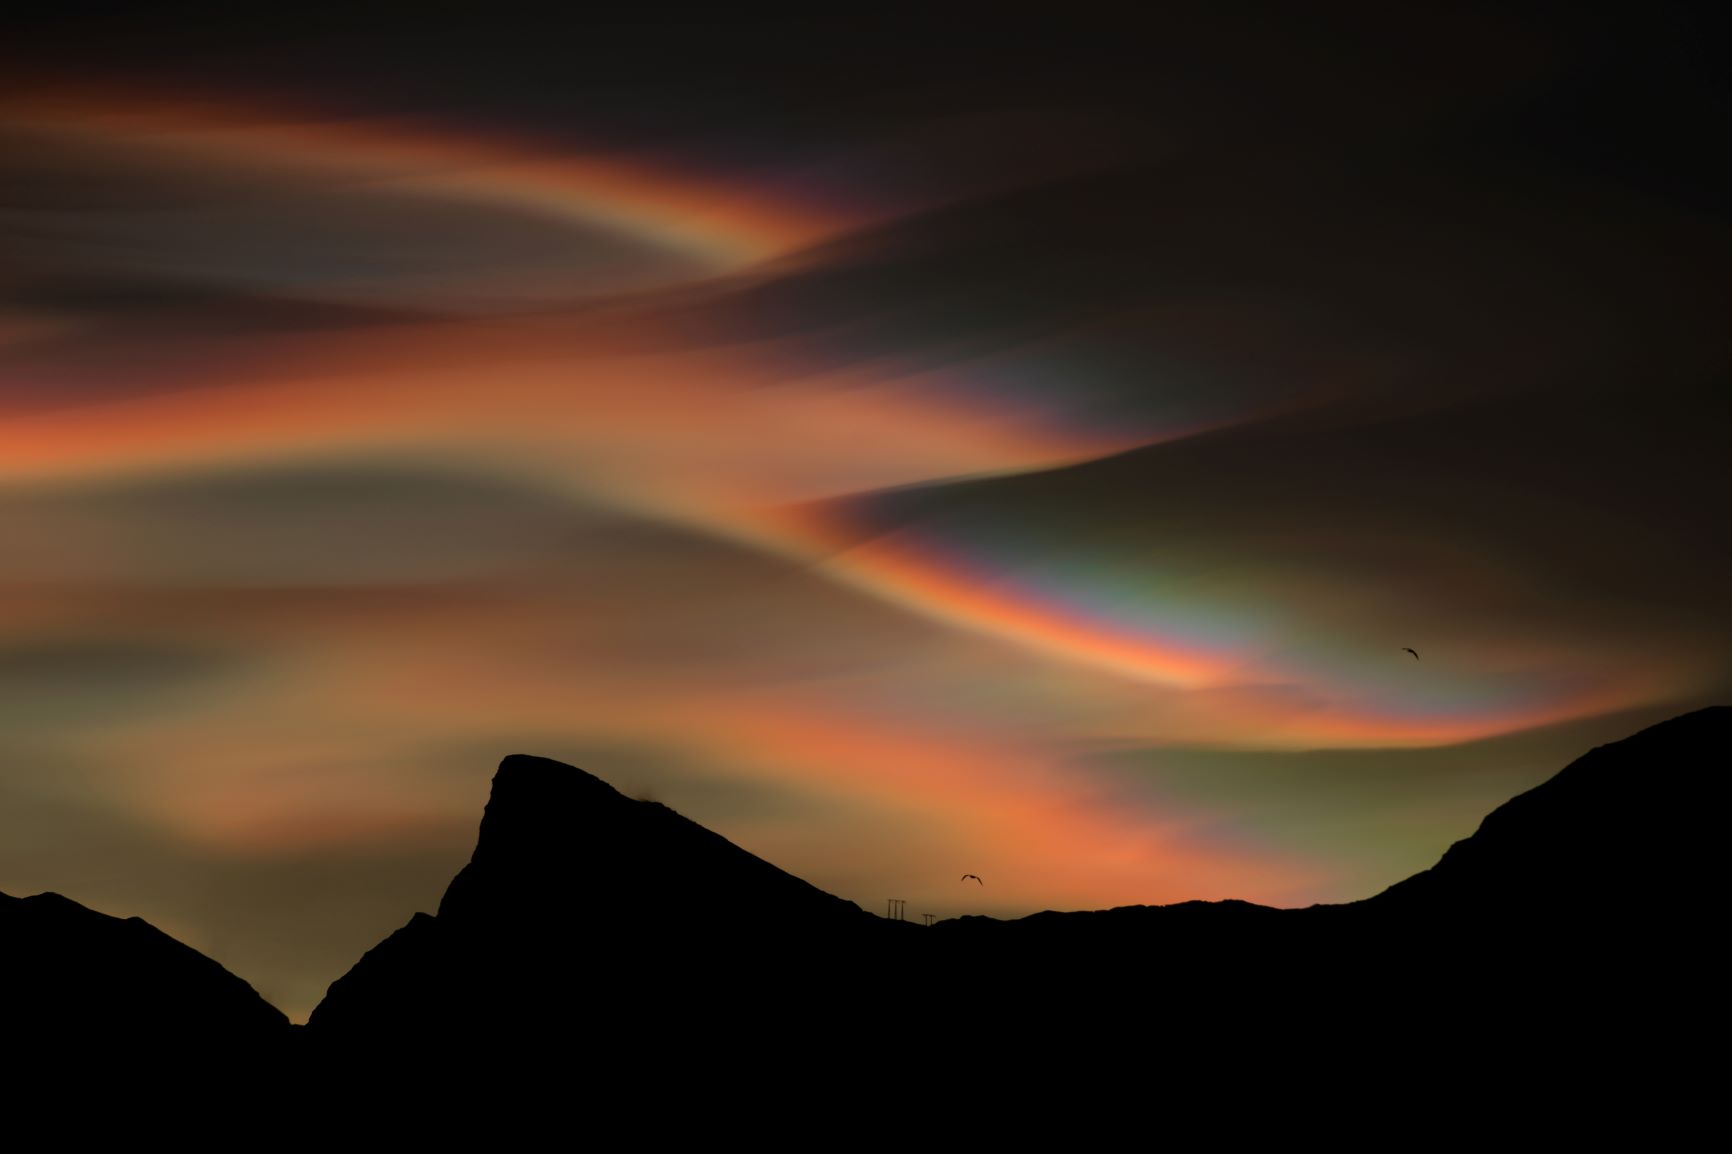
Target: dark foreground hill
1631	830
637	944
103	1009
579	904
607	955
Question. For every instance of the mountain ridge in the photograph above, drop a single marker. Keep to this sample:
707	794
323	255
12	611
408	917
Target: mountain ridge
93	977
585	913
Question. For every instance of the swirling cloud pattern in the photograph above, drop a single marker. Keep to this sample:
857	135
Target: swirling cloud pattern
1045	489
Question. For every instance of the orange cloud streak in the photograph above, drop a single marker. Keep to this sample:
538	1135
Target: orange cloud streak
1227	696
720	439
902	573
252	781
728	225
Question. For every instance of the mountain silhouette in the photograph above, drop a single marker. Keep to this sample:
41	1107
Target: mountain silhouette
1610	838
118	982
609	948
554	834
99	1010
571	878
588	915
1625	828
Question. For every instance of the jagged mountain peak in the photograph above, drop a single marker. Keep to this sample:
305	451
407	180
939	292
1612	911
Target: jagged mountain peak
555	839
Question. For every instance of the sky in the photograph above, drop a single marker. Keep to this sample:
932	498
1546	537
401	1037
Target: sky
907	446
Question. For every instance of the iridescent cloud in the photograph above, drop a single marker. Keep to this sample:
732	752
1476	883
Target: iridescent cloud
974	531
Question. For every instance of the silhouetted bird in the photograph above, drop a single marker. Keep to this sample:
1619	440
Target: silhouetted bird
976	878
1415	653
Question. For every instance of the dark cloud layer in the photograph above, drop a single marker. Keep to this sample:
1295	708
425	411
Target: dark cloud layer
787	80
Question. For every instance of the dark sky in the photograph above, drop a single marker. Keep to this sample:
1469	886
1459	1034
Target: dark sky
909	445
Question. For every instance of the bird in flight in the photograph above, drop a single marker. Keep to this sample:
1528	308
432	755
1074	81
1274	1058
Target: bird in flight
976	878
1415	653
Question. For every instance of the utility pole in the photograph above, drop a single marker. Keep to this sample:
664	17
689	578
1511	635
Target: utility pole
897	908
927	918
